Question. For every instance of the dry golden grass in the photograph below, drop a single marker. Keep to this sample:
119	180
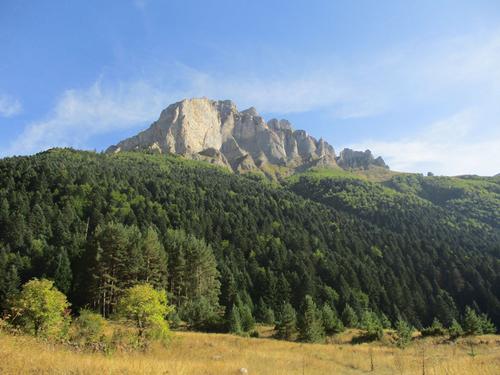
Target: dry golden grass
217	354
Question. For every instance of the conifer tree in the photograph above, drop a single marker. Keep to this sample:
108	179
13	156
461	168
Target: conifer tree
235	320
63	275
247	319
455	330
287	322
372	326
331	321
472	322
349	317
311	327
154	260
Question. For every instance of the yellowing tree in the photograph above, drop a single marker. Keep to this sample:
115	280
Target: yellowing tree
41	309
146	308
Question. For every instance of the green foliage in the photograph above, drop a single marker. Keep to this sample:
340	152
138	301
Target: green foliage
247	319
200	314
146	308
455	330
311	325
349	317
404	333
287	323
88	328
372	326
436	329
487	325
412	246
235	321
40	309
472	322
331	322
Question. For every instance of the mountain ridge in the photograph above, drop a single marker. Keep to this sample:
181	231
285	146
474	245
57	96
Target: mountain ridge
217	132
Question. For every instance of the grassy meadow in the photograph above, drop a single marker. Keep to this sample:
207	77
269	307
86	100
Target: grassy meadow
220	354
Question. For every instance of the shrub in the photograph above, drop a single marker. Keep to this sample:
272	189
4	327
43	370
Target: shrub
41	310
89	328
436	329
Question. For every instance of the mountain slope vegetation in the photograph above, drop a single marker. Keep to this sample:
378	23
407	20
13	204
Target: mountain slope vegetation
410	247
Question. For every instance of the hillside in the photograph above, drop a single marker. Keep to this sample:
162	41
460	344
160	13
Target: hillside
410	247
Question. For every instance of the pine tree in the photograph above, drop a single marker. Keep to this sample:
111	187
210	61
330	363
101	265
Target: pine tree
455	330
235	320
287	323
154	260
311	327
404	332
63	275
349	317
472	322
436	329
372	326
247	319
331	321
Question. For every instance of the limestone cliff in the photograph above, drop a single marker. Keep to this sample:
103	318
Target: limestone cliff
216	131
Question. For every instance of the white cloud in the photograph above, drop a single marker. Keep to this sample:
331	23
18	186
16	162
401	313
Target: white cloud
81	114
452	146
102	108
9	106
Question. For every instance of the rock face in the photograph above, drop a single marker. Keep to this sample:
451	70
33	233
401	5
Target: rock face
217	132
350	159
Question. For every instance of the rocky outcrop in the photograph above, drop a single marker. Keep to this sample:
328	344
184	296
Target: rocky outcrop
350	159
215	131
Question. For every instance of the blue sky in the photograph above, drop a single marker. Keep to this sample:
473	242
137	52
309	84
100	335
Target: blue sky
416	82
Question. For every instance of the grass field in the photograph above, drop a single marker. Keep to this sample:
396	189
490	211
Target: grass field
199	353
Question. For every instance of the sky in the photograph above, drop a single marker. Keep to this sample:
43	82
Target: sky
416	82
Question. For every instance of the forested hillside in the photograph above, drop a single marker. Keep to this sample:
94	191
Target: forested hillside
410	248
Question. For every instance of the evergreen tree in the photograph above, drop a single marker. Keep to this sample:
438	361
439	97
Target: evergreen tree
247	320
154	260
472	323
235	321
63	275
331	323
287	323
455	330
404	332
349	317
436	329
372	326
487	326
311	327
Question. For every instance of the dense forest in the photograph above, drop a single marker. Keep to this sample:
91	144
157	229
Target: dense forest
231	248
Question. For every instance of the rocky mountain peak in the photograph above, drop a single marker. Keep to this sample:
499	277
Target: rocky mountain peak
215	131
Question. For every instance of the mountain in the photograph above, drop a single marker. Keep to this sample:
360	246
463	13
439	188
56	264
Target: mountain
411	247
215	131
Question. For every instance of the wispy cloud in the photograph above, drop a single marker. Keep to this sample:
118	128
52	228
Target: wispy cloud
104	107
452	146
81	114
9	106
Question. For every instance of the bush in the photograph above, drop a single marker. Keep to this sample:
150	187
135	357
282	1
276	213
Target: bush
199	314
436	329
89	328
41	310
